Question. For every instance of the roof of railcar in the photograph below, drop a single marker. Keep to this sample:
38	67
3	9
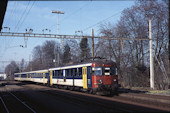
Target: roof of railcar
71	66
76	65
38	71
84	64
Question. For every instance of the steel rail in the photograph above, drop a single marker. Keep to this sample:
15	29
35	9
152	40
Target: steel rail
4	105
76	98
23	103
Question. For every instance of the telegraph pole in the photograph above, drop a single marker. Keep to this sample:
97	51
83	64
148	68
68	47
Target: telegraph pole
59	12
151	57
54	57
169	35
58	59
92	43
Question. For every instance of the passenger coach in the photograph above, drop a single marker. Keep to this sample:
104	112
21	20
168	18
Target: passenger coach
95	76
39	76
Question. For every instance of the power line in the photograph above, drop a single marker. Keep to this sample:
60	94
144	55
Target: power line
101	21
17	25
73	13
12	13
26	14
21	20
37	35
22	16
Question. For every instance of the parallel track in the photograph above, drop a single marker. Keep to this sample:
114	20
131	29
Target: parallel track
45	99
13	104
2	109
76	99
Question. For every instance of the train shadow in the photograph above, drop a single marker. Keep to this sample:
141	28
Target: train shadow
127	90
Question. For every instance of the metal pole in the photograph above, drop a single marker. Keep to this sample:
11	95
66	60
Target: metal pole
151	57
54	57
92	43
58	24
58	56
30	62
169	36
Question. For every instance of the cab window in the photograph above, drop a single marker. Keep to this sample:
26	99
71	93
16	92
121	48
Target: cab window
113	71
96	71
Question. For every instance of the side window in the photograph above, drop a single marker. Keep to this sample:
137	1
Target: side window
58	72
71	72
67	72
80	71
76	70
54	73
61	73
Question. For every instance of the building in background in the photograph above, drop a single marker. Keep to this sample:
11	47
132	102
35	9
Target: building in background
3	76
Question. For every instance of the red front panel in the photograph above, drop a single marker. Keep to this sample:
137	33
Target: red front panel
106	80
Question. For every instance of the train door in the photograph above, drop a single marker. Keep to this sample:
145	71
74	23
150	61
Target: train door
48	78
84	77
43	78
64	76
51	77
27	76
30	77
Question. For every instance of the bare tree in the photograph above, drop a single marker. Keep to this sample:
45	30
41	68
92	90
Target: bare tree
74	50
22	65
133	55
43	56
38	62
10	69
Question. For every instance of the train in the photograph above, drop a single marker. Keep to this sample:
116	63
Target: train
93	77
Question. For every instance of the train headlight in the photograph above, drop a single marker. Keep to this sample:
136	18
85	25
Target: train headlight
100	81
114	80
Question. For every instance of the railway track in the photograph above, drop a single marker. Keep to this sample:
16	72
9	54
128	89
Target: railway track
3	107
107	102
75	103
96	104
12	104
46	99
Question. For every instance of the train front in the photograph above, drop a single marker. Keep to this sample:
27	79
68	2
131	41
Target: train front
104	78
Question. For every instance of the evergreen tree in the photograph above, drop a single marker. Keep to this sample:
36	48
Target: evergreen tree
66	54
85	50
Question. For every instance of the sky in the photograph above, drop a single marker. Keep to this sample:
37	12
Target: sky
36	15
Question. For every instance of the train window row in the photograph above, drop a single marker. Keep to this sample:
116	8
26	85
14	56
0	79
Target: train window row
17	76
68	72
36	75
73	72
58	73
103	71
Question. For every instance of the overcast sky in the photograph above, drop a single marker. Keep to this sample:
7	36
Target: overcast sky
79	16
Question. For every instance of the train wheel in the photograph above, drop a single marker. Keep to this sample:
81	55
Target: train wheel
91	91
66	87
71	88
